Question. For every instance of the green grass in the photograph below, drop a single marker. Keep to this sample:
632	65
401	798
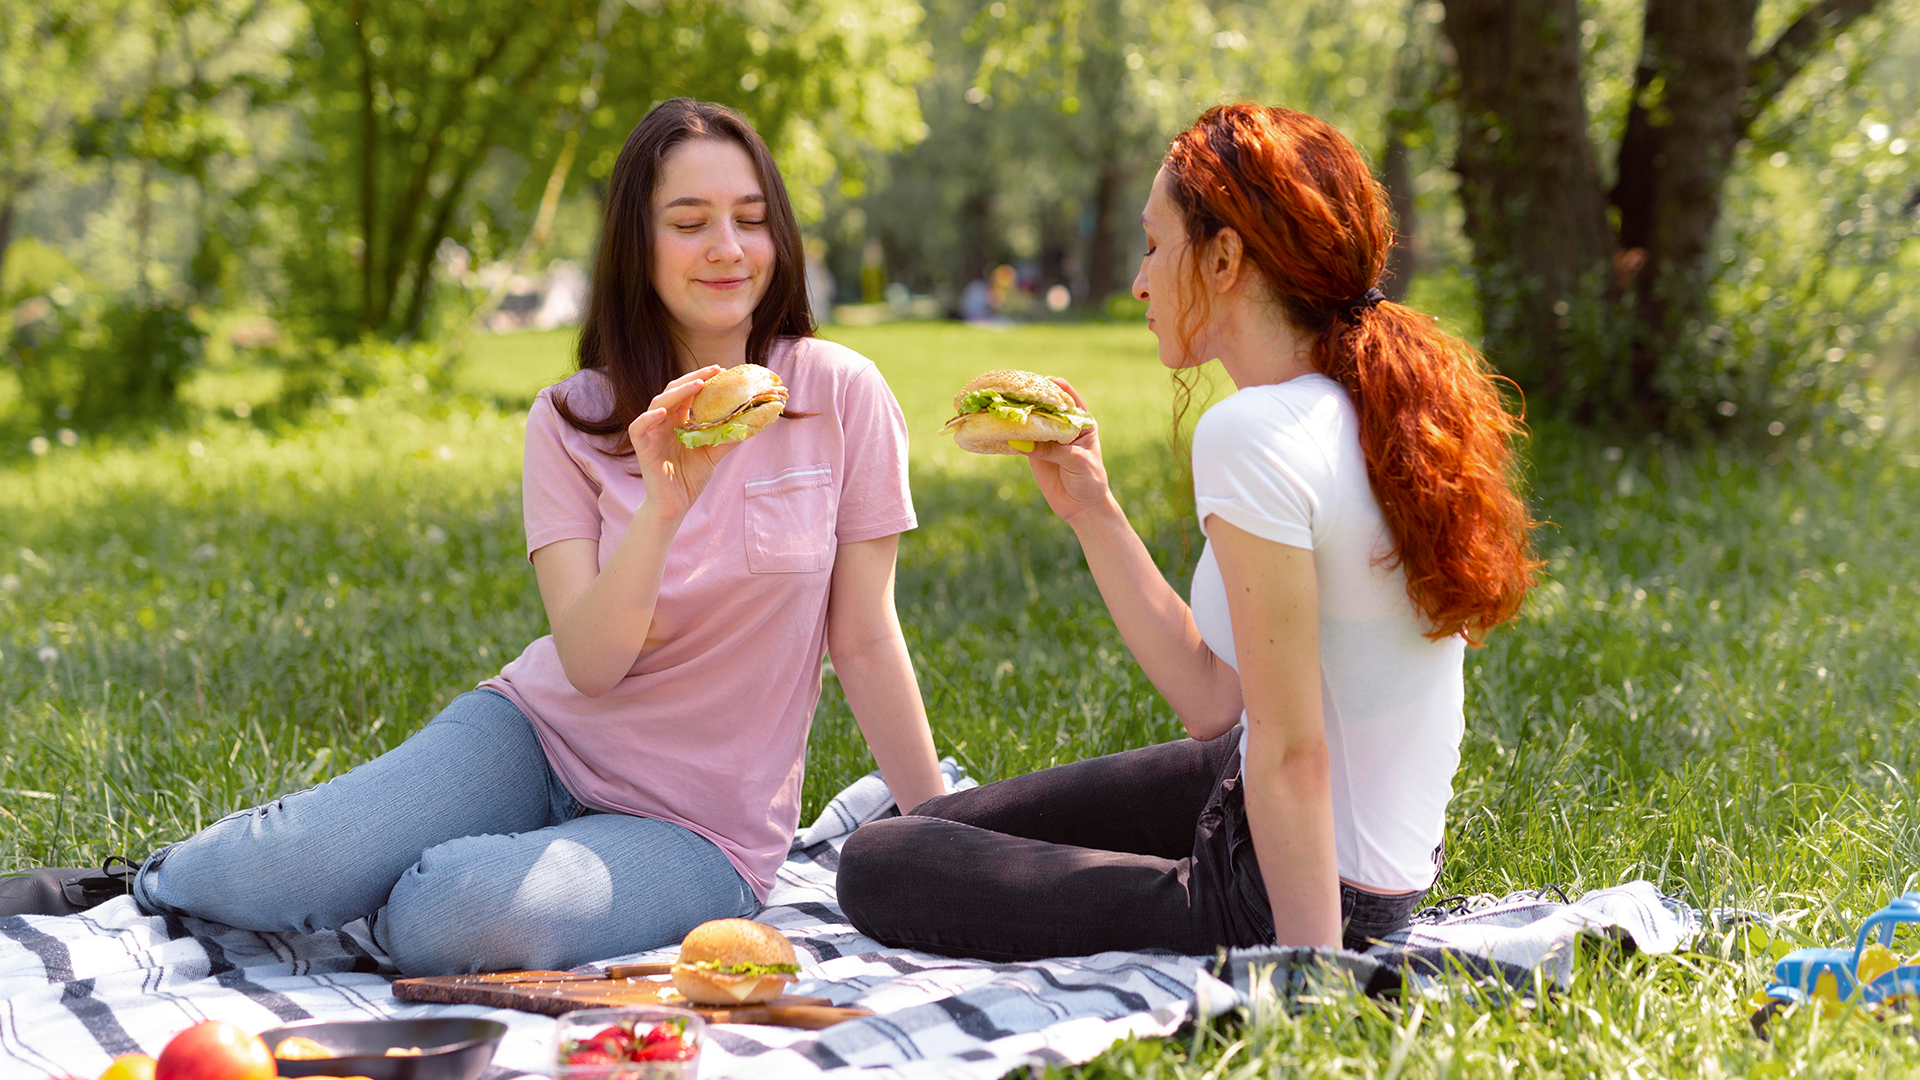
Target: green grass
1717	688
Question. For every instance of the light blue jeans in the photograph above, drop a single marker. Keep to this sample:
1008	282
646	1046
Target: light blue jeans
466	851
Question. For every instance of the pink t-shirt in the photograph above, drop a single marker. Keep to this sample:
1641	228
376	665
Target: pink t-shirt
709	728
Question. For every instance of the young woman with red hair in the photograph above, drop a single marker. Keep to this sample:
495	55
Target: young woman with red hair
1358	497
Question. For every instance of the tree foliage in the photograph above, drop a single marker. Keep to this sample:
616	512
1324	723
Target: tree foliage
51	54
1047	118
1683	214
408	104
147	95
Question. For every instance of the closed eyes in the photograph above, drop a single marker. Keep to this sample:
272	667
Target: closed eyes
696	226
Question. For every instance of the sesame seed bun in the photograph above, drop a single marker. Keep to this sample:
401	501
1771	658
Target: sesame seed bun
1014	383
727	943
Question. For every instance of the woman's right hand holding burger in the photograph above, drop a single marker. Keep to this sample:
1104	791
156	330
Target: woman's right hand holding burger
1072	476
674	474
601	612
1153	619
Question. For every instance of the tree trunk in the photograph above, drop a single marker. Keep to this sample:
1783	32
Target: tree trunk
1408	114
1056	246
430	246
6	227
1530	185
143	205
1600	325
976	235
1403	261
369	174
440	123
1674	157
1101	252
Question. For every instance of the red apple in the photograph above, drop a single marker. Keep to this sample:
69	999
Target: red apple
215	1050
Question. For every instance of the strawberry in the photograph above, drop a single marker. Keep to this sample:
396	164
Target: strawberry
671	1048
613	1039
665	1029
590	1056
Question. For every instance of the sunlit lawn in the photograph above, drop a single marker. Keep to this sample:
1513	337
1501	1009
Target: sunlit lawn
1717	689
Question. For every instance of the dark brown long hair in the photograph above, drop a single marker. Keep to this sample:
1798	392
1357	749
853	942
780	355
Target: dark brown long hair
627	334
1433	424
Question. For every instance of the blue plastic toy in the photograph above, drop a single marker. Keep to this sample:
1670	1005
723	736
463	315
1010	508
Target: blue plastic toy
1869	975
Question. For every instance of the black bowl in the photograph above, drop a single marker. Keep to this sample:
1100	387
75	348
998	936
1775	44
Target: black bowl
452	1048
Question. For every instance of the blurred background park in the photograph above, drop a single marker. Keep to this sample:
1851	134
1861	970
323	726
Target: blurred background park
1686	217
281	279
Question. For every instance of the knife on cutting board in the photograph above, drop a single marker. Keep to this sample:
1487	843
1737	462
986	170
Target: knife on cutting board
555	992
616	971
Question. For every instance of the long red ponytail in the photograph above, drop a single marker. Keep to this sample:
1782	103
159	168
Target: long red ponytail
1434	428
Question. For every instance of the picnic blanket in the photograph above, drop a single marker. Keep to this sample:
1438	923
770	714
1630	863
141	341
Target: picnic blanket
1496	943
79	990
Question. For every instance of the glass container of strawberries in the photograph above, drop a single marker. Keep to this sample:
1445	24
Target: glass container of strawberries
642	1042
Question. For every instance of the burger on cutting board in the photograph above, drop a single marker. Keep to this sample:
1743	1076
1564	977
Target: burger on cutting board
734	962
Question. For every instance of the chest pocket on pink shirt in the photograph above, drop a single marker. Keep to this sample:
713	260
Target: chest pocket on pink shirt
790	521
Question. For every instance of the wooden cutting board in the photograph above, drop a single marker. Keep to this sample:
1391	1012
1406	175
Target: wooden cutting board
555	992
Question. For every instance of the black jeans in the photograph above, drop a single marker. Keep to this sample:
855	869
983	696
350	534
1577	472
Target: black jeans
1146	849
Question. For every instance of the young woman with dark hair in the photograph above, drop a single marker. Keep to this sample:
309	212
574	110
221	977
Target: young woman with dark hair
638	771
1357	493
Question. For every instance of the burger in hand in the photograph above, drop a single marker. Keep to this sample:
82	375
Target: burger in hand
734	962
736	404
1008	411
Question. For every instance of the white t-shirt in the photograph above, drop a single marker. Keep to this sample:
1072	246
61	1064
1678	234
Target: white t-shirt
1283	462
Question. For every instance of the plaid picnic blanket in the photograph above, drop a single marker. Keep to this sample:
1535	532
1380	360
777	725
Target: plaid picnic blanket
77	991
1500	944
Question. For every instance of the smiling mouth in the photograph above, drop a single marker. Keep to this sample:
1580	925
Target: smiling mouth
722	283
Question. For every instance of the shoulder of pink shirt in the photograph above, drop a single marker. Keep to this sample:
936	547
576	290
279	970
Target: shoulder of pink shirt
587	388
830	356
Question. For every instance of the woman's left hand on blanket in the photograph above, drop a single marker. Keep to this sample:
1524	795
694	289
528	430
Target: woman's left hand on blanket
675	475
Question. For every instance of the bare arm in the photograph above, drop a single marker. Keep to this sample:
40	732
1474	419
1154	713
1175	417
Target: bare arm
870	657
600	617
1274	602
1154	621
